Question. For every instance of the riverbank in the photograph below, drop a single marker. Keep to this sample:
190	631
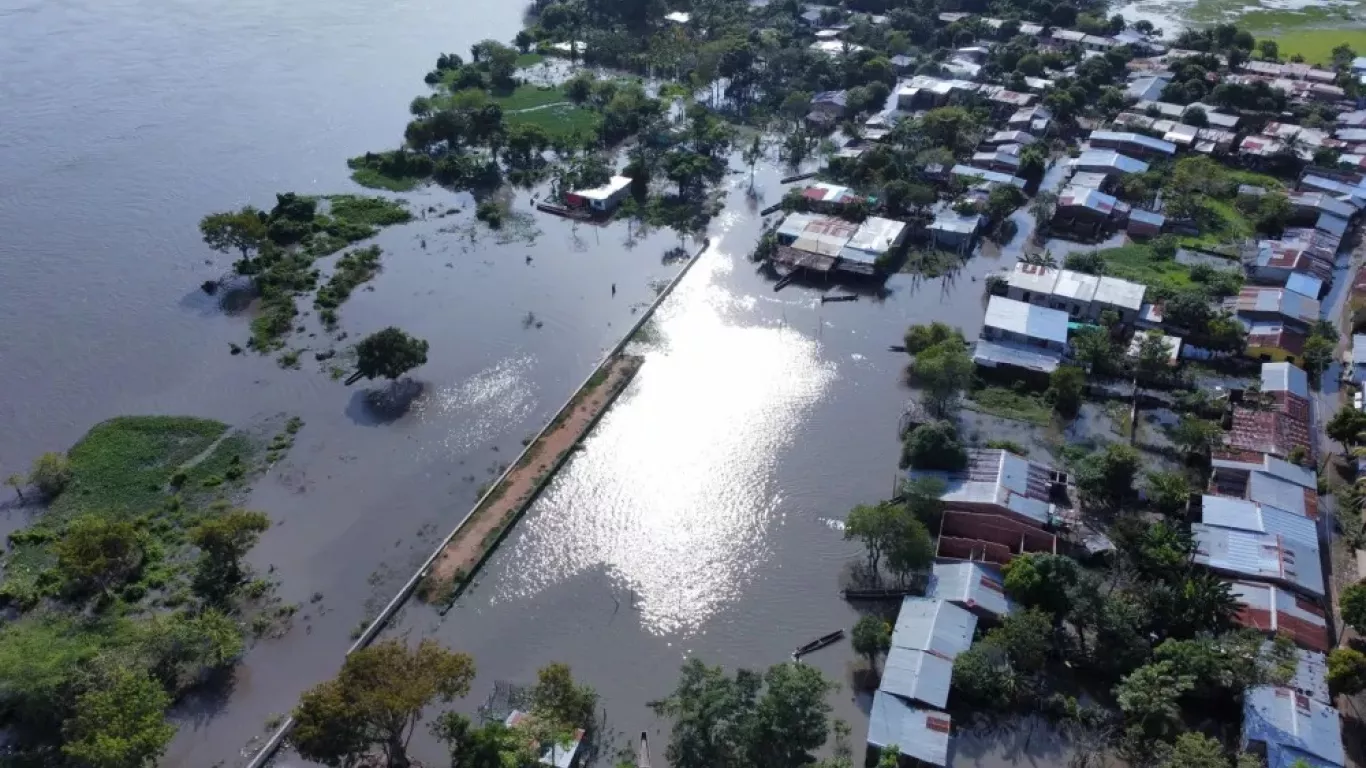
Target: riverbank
480	533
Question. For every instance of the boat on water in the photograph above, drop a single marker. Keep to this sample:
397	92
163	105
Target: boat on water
818	643
643	759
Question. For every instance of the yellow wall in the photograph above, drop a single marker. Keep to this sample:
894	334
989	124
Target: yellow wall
1274	354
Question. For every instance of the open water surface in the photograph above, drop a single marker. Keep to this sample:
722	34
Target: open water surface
699	519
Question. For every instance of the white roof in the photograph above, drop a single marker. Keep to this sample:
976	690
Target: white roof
1076	285
1243	515
1033	277
1120	293
678	17
1270	490
971	585
1027	319
937	626
615	185
877	235
1285	377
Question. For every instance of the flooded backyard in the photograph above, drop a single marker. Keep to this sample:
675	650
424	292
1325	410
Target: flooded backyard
699	520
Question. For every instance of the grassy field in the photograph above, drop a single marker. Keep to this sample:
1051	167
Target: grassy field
369	177
529	59
1009	404
1232	228
1316	45
561	121
529	96
1139	264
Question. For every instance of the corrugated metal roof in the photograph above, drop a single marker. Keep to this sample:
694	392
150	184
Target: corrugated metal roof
1111	160
1033	277
949	220
1285	377
937	626
917	676
1282	559
985	175
1305	285
998	477
1087	197
1293	727
1243	515
1027	319
974	586
1266	608
919	733
1120	293
1270	490
1311	672
990	354
1076	285
1137	139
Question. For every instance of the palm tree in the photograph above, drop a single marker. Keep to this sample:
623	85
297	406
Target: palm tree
1045	259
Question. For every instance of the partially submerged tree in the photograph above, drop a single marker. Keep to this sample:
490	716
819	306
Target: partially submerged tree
18	483
376	701
119	722
942	371
224	538
872	637
934	446
779	718
97	554
1066	385
244	231
51	474
389	353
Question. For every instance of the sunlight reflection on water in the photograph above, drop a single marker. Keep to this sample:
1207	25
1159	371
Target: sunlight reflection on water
486	404
674	492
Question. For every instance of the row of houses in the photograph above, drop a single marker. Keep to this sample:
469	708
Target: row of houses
819	243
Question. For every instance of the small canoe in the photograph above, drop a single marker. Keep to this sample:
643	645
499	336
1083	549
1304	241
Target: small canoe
818	643
643	759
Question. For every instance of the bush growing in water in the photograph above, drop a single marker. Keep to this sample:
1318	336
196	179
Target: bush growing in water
490	213
51	474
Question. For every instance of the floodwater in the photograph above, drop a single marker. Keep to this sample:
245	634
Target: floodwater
699	519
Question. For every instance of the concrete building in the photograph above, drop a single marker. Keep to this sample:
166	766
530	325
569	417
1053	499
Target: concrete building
602	199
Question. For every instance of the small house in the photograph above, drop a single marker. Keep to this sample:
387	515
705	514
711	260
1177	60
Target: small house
1274	611
1108	162
955	231
603	199
1135	144
1274	342
1027	324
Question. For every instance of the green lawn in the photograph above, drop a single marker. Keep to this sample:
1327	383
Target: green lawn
1316	45
528	96
1232	228
529	59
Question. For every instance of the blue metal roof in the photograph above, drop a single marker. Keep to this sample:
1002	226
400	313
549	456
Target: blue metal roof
1293	727
1305	285
919	733
938	626
917	676
971	585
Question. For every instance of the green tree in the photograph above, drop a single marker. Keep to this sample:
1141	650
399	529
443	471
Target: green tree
244	231
924	499
1025	638
500	60
934	446
1195	750
983	676
51	474
1066	385
224	539
1150	697
1168	491
752	155
1269	49
1109	474
1346	670
942	371
492	745
1153	363
1197	437
1352	602
376	701
1094	349
389	353
719	720
874	525
119	723
872	637
1318	355
97	554
179	648
560	702
918	338
911	547
1348	426
1044	581
687	169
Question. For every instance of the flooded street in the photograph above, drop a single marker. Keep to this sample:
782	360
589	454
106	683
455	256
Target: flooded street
699	519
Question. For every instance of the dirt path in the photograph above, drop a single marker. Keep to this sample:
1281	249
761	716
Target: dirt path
506	501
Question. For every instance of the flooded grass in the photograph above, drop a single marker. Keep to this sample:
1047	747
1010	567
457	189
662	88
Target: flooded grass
1009	404
374	179
560	121
530	97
